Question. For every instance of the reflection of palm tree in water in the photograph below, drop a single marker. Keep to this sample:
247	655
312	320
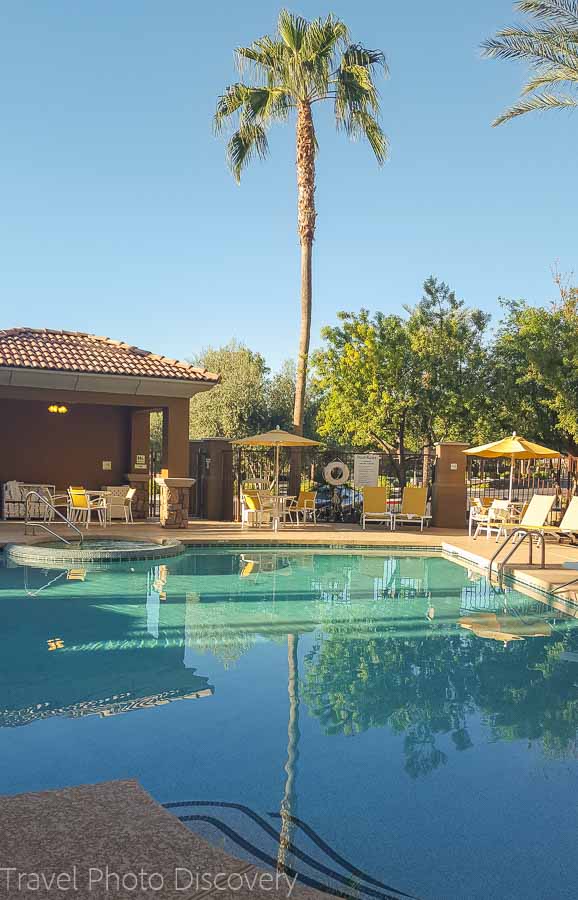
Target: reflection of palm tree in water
289	796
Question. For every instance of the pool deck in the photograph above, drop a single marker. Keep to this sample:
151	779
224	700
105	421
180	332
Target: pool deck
76	833
455	542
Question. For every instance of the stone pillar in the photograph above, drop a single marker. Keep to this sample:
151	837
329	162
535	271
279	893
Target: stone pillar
175	494
140	501
449	500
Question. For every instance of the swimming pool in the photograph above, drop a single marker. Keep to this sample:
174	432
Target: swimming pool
422	721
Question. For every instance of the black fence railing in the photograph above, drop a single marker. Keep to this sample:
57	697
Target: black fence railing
491	478
256	467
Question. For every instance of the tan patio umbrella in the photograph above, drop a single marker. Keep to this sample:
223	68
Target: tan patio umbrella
516	448
276	438
504	628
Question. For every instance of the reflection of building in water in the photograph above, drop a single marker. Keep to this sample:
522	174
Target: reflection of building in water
156	581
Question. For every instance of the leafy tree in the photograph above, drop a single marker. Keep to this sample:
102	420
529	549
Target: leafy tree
306	62
551	48
368	382
280	396
536	369
248	400
448	340
238	406
400	383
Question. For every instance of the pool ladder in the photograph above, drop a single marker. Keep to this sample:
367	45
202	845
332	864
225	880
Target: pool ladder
522	534
49	507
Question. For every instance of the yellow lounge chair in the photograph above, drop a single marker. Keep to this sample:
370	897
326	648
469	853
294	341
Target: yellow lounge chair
413	507
534	518
375	506
567	527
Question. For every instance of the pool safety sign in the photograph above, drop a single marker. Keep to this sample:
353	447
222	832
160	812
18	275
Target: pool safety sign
366	469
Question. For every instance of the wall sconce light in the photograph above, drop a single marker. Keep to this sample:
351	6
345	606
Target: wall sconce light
58	408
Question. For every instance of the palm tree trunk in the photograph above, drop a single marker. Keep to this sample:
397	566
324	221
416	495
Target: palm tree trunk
289	797
306	225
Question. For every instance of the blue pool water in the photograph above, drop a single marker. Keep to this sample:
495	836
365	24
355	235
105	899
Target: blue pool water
420	720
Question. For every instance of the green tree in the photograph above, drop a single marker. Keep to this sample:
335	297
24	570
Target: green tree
280	396
306	62
402	383
368	382
536	369
447	338
551	48
238	406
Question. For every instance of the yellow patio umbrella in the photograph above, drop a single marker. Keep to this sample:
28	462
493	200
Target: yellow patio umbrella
276	438
516	448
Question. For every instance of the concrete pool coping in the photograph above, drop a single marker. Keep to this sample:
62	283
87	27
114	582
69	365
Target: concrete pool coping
71	831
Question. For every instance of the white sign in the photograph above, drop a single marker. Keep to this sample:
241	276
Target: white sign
106	465
366	469
140	461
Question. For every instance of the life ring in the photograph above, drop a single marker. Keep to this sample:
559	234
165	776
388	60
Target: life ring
336	472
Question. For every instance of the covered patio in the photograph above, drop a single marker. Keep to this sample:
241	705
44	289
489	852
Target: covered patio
76	410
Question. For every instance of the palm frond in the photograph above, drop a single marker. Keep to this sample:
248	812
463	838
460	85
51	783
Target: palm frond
549	76
249	141
537	47
563	11
539	102
356	55
292	29
228	103
361	124
323	37
551	49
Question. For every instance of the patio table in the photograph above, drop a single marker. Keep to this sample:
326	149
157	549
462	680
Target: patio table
279	508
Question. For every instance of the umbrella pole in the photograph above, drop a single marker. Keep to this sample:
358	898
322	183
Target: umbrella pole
511	478
277	469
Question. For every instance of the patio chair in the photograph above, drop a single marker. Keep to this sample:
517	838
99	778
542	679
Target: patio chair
252	511
493	518
127	505
304	504
413	508
479	507
81	507
567	527
375	506
534	518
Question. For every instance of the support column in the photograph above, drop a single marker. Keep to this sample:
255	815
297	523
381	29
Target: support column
175	495
449	499
140	501
140	440
176	438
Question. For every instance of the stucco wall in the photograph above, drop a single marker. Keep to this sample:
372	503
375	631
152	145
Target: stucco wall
39	446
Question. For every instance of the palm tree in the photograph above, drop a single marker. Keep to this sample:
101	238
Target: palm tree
551	47
306	62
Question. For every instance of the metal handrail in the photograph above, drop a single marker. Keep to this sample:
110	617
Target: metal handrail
523	533
40	497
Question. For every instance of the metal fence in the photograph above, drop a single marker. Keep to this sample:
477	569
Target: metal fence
256	467
491	478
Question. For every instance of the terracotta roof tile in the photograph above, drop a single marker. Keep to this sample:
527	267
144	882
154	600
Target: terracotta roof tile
73	351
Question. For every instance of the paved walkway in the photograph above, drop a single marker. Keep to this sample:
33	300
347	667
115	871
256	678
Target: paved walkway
97	839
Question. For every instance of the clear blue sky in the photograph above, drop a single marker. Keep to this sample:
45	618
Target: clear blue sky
118	215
